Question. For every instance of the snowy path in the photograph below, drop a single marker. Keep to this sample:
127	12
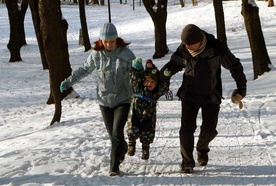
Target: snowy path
78	150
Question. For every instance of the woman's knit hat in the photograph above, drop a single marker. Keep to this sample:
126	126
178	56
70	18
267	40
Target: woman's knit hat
108	32
191	34
151	71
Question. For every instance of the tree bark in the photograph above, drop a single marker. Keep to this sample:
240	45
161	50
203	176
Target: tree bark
182	3
158	13
17	32
270	3
256	39
86	41
219	15
36	21
53	28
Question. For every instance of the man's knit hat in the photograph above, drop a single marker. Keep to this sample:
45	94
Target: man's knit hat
108	32
191	34
151	71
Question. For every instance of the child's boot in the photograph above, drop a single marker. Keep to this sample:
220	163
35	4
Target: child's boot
131	148
145	152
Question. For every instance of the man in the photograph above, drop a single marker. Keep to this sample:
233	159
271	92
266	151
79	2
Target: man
202	55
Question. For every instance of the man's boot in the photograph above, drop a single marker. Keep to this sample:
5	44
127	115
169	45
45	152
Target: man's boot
202	158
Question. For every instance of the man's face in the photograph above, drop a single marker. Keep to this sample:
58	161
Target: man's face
193	47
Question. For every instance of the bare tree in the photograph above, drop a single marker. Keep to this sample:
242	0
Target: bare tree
270	3
36	21
182	3
53	29
219	15
158	14
261	61
17	32
86	41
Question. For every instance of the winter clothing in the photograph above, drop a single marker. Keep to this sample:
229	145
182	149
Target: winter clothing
202	158
142	118
131	148
108	32
137	64
145	152
114	90
201	89
64	86
151	71
187	170
114	120
191	34
112	68
236	98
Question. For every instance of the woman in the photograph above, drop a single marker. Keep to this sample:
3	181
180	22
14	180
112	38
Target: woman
112	60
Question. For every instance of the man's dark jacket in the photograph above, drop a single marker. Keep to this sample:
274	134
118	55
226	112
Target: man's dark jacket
202	77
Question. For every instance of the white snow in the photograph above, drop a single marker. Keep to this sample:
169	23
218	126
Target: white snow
76	151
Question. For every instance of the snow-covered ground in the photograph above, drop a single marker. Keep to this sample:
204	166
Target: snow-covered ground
76	151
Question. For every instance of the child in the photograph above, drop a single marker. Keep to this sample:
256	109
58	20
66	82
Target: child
147	89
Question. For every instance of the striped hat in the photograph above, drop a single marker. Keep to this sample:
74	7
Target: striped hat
108	32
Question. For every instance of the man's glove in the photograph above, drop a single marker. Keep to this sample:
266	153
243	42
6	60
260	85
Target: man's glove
64	85
167	73
137	64
237	97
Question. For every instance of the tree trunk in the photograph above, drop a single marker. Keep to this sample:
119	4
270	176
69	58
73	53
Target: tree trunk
182	3
86	41
36	21
260	56
219	15
158	13
53	28
270	3
17	32
23	9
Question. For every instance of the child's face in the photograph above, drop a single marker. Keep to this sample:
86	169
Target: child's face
150	84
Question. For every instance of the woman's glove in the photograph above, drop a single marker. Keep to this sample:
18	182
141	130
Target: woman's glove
137	64
64	85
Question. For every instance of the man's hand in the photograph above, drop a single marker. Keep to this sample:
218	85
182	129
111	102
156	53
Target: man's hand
236	98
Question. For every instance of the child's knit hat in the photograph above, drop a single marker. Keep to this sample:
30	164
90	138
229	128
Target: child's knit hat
151	71
108	32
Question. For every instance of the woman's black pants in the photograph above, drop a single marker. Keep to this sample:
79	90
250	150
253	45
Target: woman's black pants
115	119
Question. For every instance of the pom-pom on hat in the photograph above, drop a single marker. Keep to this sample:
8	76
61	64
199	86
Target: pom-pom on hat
191	34
108	32
151	71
